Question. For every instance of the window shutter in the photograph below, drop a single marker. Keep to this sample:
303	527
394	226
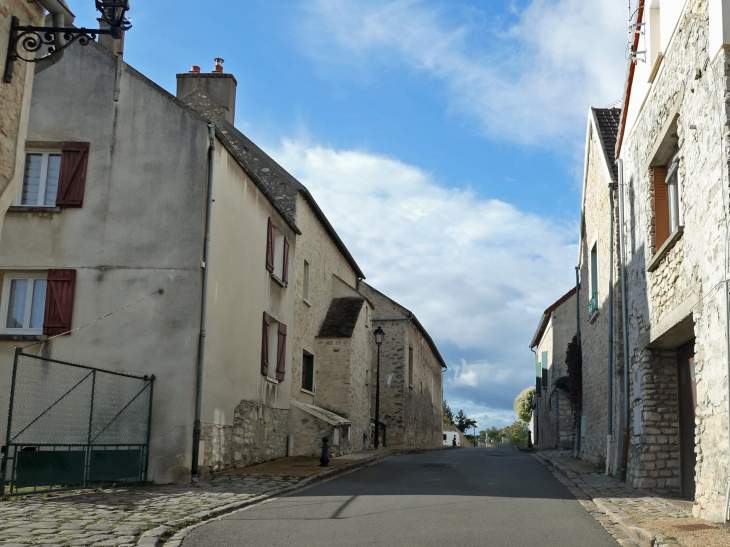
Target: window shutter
265	346
281	353
72	175
661	206
544	369
285	273
270	235
59	301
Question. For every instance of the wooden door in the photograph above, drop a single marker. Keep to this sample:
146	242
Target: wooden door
687	406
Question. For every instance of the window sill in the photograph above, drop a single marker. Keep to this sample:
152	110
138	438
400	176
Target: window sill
276	278
307	302
29	209
675	236
23	337
307	391
272	380
593	317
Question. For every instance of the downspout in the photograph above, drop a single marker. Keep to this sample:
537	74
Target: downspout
203	306
577	337
61	17
609	431
624	319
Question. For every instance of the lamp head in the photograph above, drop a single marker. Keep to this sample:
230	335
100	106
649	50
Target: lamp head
379	335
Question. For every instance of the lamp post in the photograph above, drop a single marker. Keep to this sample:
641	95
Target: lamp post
379	335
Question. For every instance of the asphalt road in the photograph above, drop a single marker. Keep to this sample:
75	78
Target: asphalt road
463	497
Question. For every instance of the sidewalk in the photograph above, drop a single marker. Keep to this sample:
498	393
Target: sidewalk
147	514
633	516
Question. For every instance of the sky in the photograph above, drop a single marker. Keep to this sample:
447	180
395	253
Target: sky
444	140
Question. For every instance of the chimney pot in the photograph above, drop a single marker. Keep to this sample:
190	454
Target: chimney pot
218	65
195	69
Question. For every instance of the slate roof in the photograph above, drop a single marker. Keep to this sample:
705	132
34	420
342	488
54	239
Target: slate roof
341	318
607	121
280	184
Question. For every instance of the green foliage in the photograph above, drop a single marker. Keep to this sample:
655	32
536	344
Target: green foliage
562	383
523	404
516	433
462	422
482	435
493	433
448	414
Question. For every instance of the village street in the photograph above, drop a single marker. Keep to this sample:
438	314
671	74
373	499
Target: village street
484	496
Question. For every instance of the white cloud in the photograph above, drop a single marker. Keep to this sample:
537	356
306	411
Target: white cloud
477	272
531	82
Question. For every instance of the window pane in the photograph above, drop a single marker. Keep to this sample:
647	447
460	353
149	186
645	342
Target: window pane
38	309
31	179
54	168
16	303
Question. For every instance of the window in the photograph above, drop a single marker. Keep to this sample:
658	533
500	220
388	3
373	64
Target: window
666	184
277	253
40	179
544	369
273	347
410	367
672	181
24	303
305	281
593	302
308	372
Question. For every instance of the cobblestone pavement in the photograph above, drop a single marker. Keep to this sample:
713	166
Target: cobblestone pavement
648	516
119	516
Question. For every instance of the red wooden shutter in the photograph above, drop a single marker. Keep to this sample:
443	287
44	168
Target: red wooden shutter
72	175
281	353
661	206
270	235
285	273
59	301
265	346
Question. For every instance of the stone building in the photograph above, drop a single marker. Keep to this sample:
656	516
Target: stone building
411	404
672	146
552	417
16	87
129	221
600	426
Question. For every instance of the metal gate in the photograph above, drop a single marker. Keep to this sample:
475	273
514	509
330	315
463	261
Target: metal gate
74	426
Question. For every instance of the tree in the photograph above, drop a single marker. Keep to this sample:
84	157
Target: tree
482	434
523	404
462	422
493	433
517	433
448	414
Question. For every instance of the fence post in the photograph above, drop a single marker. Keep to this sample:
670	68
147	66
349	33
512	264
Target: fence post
4	469
88	439
149	428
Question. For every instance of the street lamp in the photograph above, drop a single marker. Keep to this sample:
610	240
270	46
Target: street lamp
379	336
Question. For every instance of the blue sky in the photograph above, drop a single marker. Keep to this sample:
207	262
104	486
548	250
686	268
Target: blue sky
456	127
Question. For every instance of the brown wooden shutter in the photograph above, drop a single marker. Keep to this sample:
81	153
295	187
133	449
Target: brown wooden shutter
265	346
285	272
281	353
59	301
72	175
661	206
270	238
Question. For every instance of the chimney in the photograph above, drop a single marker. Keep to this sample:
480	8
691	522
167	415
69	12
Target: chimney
114	45
197	89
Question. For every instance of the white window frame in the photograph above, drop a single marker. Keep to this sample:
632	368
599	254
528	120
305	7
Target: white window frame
7	279
674	194
45	152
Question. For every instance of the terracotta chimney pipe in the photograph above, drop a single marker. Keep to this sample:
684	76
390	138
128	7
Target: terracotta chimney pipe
218	65
195	69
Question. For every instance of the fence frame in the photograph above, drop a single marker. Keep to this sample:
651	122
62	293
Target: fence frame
87	447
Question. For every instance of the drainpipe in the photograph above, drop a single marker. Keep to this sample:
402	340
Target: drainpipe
61	17
609	431
203	306
577	337
624	319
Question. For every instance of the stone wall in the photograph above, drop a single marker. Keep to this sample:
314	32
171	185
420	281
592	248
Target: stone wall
259	434
311	430
687	85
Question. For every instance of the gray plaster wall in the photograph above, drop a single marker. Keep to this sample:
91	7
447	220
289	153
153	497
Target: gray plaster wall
139	230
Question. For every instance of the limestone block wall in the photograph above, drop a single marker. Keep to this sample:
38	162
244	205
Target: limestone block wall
393	359
311	430
259	434
359	404
692	82
333	374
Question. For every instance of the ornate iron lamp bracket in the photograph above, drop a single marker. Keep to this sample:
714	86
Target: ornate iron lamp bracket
26	42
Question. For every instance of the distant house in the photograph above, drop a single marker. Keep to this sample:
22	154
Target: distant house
412	405
552	417
450	437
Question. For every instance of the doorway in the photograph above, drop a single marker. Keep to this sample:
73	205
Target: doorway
687	407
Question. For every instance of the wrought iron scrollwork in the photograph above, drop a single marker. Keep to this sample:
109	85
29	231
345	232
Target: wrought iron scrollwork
27	42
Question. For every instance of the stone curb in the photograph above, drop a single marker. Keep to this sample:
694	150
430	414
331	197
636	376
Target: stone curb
156	536
642	534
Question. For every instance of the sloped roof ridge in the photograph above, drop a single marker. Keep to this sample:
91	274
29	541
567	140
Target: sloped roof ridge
544	318
607	124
